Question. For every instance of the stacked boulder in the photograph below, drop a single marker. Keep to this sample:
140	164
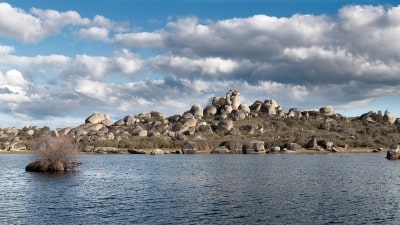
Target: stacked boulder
269	107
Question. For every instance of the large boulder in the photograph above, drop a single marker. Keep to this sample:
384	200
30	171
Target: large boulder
96	118
294	113
188	126
197	111
256	106
244	108
210	110
388	117
233	99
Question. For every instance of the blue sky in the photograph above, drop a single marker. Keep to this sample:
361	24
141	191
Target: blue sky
60	61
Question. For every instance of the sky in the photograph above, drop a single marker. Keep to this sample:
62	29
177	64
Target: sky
61	61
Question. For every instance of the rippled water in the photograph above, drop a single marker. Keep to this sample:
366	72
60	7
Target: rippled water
205	189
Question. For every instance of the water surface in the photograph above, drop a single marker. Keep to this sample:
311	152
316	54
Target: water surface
205	189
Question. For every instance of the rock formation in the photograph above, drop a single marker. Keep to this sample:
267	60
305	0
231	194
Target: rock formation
225	119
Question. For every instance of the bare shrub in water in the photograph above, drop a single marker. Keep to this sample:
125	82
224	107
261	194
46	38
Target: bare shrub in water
54	154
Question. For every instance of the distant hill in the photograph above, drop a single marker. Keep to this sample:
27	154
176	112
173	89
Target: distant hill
224	124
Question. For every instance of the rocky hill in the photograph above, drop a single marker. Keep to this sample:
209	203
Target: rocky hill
224	126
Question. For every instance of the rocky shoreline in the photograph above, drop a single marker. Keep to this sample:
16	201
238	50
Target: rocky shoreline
178	151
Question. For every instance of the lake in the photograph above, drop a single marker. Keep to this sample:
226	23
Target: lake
343	188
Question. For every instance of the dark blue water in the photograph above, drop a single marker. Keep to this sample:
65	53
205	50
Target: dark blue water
205	189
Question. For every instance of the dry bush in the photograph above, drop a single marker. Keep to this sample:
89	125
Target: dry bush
56	149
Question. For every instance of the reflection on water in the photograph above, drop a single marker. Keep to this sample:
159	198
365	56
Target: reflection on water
204	189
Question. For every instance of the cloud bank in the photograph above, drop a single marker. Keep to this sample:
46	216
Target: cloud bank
304	61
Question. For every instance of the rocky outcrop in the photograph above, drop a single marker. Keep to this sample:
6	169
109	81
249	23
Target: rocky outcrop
225	118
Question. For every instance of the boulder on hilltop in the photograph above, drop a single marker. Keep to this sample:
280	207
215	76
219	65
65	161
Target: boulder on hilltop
96	118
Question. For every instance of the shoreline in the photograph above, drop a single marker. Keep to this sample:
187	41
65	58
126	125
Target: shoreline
299	151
